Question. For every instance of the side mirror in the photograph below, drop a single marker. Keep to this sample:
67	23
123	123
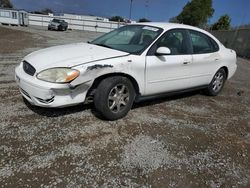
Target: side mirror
163	51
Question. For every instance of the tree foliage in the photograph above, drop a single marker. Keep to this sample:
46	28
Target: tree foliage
224	23
144	20
117	19
173	20
196	12
46	11
6	4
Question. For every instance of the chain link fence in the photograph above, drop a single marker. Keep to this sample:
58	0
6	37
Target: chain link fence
76	23
238	40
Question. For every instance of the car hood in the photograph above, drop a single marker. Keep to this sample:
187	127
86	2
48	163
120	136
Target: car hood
70	55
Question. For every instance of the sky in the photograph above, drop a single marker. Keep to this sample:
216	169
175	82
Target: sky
154	10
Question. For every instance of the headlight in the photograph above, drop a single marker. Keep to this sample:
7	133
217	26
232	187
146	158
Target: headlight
58	75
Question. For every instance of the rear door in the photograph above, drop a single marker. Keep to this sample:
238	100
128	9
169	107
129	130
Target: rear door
205	58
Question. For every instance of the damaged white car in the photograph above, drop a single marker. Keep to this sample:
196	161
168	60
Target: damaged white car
130	63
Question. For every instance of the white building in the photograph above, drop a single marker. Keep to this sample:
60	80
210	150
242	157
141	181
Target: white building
80	17
13	17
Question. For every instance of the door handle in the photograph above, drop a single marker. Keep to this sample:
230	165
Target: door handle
186	62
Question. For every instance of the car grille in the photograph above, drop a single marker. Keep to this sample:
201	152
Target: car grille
25	93
28	68
46	101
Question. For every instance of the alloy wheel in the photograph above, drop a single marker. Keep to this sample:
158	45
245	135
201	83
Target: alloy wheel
118	98
218	82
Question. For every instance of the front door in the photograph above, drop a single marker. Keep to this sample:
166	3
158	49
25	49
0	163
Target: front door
21	18
168	73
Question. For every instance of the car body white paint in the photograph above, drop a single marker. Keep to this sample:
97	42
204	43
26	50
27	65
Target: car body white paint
180	71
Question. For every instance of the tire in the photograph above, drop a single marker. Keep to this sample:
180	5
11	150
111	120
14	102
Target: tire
114	97
217	83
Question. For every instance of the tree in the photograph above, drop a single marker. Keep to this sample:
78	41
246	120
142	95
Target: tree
144	20
223	23
46	11
6	4
196	12
117	19
173	20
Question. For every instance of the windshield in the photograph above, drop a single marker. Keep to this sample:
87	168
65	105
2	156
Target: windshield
133	39
57	21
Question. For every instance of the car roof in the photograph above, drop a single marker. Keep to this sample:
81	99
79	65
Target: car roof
58	19
167	26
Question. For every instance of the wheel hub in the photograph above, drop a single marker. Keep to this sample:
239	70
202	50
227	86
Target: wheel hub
118	98
218	82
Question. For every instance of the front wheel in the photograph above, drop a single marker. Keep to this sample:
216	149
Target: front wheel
217	83
114	97
60	28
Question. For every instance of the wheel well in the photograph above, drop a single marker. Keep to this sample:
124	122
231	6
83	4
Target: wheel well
226	70
99	79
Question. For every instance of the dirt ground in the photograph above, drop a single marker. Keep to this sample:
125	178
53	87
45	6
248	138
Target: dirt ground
189	140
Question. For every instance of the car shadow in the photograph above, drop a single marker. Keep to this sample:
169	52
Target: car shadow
57	112
166	98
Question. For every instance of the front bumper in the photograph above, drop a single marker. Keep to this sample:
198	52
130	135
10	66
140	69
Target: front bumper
45	94
52	26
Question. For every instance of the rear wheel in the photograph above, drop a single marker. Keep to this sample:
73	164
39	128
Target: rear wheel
217	83
114	97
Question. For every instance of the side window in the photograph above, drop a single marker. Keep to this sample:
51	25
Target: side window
176	40
202	43
14	15
5	14
215	45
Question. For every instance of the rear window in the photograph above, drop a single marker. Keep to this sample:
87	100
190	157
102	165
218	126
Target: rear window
202	43
57	21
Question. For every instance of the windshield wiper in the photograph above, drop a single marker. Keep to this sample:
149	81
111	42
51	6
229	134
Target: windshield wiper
103	45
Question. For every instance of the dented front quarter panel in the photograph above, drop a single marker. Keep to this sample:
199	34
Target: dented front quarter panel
132	65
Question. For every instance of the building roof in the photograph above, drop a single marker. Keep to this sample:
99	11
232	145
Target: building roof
1	8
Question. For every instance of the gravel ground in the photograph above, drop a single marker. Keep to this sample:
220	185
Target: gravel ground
189	140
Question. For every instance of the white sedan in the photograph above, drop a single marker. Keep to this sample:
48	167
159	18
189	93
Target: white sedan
130	63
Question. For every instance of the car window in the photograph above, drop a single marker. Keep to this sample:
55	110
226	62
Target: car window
202	43
176	40
132	38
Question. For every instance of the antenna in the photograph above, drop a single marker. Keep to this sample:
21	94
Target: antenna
130	11
146	8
